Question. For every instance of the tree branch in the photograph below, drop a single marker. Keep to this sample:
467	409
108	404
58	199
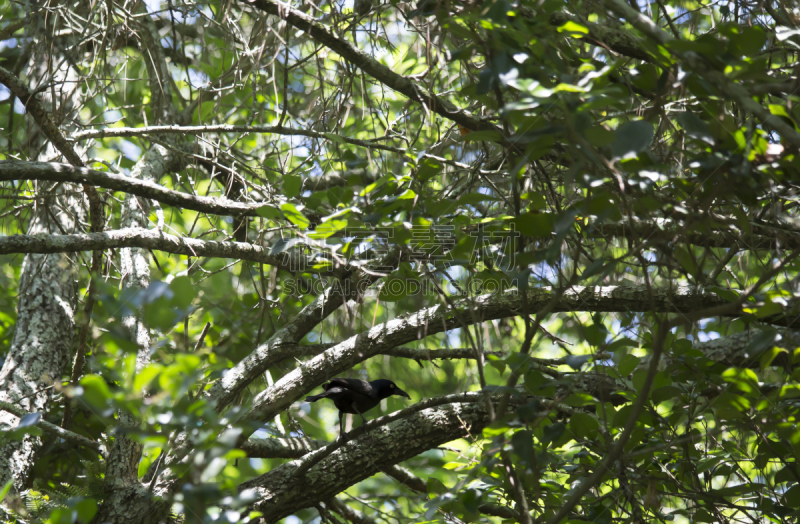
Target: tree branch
371	66
617	40
405	477
437	319
282	493
402	352
143	188
53	429
702	68
279	447
147	239
764	236
227	128
280	345
606	465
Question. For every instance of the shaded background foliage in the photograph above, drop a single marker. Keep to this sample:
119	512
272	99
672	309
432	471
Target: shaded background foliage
521	146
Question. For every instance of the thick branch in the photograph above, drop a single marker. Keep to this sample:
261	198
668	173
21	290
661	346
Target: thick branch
282	493
745	349
280	345
763	236
439	318
143	238
312	459
143	188
402	352
279	447
275	349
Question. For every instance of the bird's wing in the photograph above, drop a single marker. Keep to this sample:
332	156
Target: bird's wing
353	384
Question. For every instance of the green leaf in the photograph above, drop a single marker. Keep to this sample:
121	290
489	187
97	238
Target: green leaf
599	514
328	229
744	379
707	45
583	425
686	260
731	406
694	127
726	294
145	376
628	364
599	136
769	355
435	486
646	77
428	169
535	224
522	442
160	314
632	138
768	309
666	393
95	391
470	199
6	489
621	416
184	291
659	381
292	185
553	431
86	509
530	411
537	201
787	474
749	42
779	110
792	496
334	138
572	27
709	463
294	215
269	211
60	516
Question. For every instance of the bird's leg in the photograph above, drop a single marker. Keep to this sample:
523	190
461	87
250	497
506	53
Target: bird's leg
363	420
341	426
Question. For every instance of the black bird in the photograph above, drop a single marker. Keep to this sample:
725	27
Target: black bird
351	395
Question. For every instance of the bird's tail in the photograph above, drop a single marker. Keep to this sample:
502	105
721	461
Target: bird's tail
314	398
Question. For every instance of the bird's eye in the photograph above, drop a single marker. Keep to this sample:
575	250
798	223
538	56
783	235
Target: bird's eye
391	386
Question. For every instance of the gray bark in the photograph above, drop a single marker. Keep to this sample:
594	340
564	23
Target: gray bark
146	239
279	346
122	479
144	188
45	330
42	344
281	493
439	318
279	447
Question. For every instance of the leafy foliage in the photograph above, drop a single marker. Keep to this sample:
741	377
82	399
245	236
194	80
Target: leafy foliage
629	171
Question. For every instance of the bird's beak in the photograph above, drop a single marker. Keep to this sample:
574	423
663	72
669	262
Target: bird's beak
398	391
